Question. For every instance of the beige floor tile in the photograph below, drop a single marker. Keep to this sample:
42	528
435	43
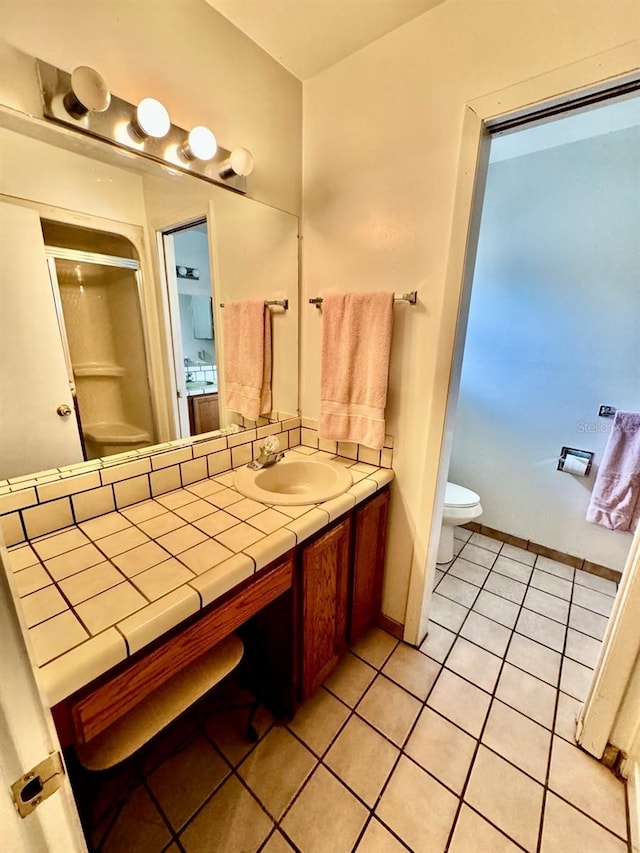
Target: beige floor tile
350	679
541	629
591	599
470	572
521	555
389	708
412	670
514	569
475	664
447	613
506	797
185	780
228	728
478	555
277	843
534	658
527	694
486	633
139	827
276	769
518	739
560	570
231	820
417	808
319	719
566	830
458	590
506	587
438	642
547	605
497	608
588	785
474	835
442	749
575	679
551	584
485	542
594	582
378	839
587	622
326	817
583	649
362	758
461	702
375	647
567	717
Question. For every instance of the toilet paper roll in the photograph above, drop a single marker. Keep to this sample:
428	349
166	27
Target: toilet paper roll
575	465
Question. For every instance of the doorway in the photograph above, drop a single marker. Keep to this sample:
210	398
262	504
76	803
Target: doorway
193	338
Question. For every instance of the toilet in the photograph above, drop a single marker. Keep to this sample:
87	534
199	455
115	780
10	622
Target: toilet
461	505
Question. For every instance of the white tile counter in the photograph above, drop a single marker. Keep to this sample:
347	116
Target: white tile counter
99	591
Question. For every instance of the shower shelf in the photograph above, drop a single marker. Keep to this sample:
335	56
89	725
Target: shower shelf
115	433
97	369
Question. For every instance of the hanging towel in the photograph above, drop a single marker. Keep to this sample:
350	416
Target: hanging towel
356	341
615	500
247	357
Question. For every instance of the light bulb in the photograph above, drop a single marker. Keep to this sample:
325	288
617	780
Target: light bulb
241	161
201	144
89	93
152	119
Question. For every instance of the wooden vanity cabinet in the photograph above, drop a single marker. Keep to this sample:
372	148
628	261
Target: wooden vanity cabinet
368	564
204	414
325	593
341	588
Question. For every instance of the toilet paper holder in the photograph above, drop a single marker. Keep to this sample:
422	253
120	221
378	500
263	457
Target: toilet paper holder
575	461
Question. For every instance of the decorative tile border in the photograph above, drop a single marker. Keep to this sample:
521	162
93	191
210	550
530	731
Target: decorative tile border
48	501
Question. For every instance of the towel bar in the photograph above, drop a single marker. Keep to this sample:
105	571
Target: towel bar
281	303
411	298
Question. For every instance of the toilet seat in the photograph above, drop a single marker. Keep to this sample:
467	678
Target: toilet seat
459	496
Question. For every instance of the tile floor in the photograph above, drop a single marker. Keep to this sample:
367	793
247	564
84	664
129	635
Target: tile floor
465	745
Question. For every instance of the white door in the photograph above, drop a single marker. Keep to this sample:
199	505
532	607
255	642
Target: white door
27	737
34	374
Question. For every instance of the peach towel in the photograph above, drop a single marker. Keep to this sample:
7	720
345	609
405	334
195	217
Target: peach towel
247	357
615	500
356	341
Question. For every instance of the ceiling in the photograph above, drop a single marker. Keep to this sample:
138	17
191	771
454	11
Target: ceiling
307	36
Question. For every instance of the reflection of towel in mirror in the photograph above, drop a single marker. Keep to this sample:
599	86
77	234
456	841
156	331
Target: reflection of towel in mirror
615	500
247	357
356	342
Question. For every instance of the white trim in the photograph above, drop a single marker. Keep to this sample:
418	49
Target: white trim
633	799
588	76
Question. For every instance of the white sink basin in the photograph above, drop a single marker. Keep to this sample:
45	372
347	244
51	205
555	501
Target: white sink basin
293	482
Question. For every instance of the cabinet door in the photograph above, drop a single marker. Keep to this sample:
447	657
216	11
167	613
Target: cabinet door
205	413
325	590
368	564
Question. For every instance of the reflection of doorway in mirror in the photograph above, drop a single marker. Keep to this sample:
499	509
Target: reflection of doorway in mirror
192	328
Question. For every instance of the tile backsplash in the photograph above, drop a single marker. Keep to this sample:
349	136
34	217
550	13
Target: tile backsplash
42	503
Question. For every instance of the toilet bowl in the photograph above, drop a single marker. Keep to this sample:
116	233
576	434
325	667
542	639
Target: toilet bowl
461	505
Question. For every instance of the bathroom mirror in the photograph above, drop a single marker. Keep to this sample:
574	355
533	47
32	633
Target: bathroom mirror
51	174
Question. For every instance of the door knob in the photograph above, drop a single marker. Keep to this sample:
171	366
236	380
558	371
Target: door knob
63	410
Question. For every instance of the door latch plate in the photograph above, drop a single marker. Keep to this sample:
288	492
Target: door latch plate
39	783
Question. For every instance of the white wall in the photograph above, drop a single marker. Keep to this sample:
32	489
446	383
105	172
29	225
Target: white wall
382	132
192	250
186	54
554	331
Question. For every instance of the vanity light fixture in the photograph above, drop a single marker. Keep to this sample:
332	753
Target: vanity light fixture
151	119
240	162
88	94
201	144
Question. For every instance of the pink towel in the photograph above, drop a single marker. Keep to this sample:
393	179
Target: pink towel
247	357
356	341
615	500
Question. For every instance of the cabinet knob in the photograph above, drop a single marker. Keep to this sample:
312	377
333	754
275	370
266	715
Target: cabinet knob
63	410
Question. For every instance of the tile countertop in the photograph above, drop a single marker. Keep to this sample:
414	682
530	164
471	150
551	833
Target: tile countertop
94	593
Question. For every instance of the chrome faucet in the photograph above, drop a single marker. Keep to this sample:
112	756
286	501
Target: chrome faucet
265	459
269	454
